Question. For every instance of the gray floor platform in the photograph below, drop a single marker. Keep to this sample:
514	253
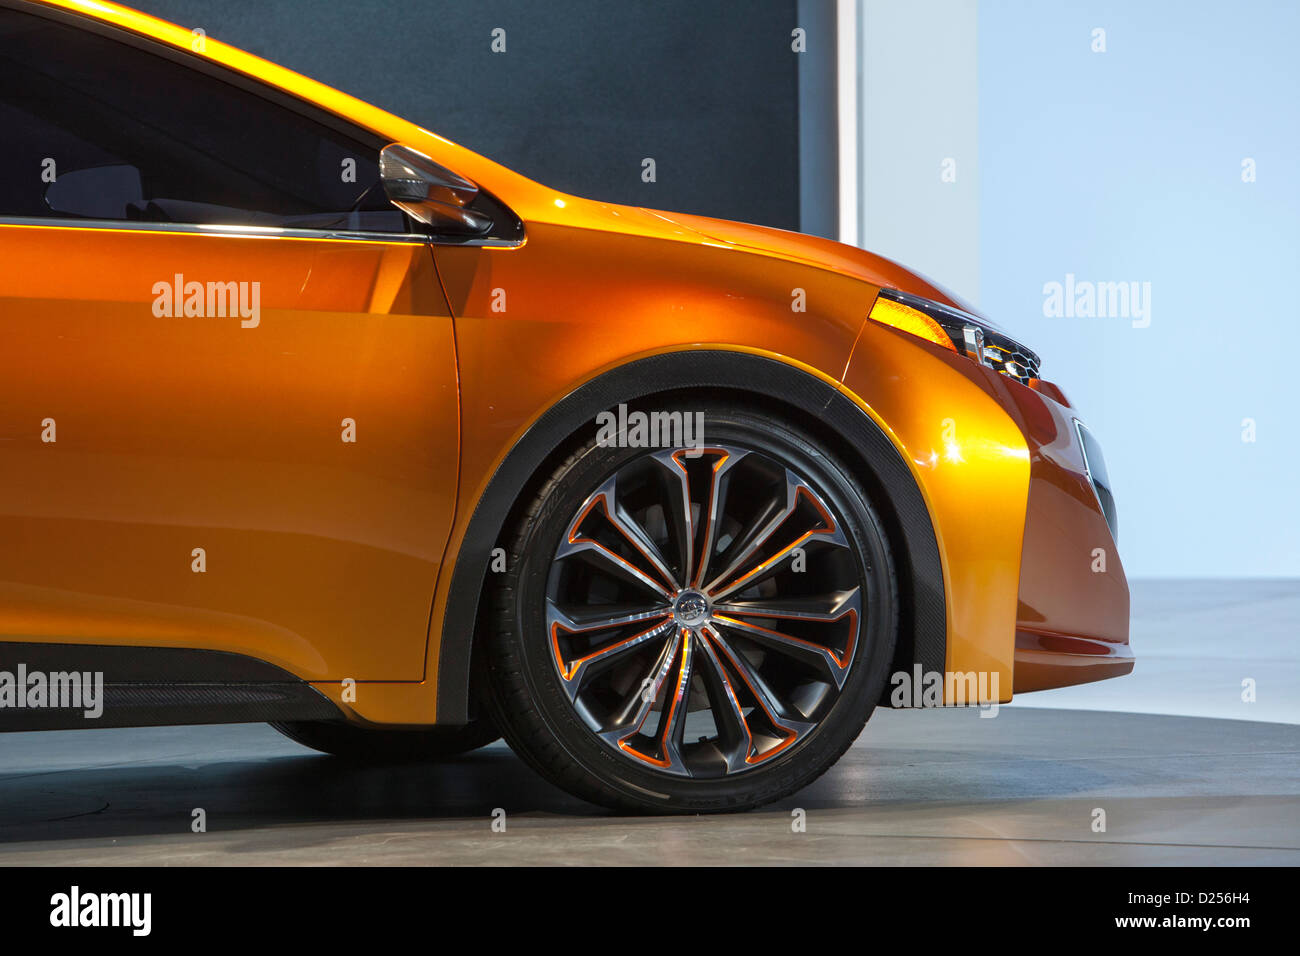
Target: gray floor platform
1196	642
920	787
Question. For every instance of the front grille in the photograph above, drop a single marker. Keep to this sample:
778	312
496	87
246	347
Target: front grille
1009	358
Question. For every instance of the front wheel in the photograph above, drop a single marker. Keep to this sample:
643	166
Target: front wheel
694	629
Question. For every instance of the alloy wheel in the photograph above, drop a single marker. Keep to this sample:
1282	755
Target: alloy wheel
702	610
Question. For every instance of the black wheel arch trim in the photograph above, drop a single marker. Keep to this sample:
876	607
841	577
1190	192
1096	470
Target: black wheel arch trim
923	623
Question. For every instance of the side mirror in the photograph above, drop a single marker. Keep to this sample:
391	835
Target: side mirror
100	192
430	193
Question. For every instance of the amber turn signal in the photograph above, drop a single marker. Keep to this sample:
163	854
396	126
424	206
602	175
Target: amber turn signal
907	319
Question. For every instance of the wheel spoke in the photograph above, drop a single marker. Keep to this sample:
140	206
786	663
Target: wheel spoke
762	528
728	715
613	564
764	697
637	708
764	570
678	510
640	702
834	666
672	731
828	533
711	510
823	608
632	532
575	672
601	617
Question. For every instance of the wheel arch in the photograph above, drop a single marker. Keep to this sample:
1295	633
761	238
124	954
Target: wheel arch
807	400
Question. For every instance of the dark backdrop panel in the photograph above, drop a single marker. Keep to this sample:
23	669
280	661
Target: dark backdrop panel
584	92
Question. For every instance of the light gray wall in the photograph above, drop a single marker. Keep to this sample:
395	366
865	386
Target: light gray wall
1126	166
1116	165
918	107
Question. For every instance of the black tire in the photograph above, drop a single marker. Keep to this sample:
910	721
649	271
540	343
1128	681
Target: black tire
529	687
374	745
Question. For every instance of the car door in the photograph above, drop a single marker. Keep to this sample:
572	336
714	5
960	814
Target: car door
229	401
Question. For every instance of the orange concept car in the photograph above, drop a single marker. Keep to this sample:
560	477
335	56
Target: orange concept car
313	417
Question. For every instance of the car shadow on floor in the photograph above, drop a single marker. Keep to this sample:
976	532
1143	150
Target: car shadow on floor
160	798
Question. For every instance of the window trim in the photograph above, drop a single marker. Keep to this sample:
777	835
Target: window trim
217	229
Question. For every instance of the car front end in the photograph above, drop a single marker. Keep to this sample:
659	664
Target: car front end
1071	609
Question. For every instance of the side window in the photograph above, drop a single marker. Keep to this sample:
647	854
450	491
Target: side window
98	129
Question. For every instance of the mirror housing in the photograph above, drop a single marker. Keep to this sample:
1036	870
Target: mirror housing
97	192
430	193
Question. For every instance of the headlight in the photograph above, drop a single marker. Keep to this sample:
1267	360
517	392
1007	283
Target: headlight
956	330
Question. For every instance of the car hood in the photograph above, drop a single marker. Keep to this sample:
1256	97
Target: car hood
825	253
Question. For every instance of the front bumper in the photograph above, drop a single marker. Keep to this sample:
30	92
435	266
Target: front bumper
1072	618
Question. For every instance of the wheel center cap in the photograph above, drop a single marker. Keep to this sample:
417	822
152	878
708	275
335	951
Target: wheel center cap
691	609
